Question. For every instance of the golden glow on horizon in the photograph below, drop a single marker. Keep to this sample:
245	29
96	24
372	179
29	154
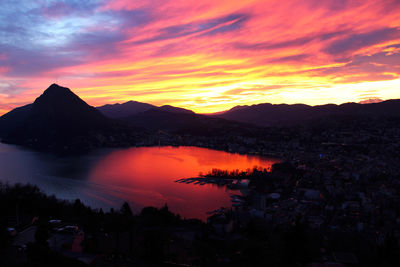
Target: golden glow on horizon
210	56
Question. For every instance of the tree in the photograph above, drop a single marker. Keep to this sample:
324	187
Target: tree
126	209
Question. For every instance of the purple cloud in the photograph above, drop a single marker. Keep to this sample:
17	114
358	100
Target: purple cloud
355	42
214	26
270	45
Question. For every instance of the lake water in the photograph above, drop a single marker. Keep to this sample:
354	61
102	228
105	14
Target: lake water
141	176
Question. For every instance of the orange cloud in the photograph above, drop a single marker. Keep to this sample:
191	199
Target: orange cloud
210	55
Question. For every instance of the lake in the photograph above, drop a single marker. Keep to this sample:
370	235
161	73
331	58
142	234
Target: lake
142	176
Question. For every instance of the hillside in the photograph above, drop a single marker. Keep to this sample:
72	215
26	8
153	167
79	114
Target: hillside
267	115
57	119
124	110
131	108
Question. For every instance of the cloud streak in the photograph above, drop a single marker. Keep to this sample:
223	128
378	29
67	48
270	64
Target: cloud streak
204	55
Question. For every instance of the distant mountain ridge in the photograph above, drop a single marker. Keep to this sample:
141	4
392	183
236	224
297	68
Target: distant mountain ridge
267	115
131	108
173	109
125	109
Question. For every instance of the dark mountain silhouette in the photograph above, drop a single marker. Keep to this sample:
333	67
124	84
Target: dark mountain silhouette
172	109
266	115
125	109
188	123
14	119
130	108
57	118
60	120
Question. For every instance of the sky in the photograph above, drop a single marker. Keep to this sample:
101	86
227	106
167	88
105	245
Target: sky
204	55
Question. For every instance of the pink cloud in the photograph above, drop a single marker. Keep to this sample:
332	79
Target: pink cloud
371	101
165	50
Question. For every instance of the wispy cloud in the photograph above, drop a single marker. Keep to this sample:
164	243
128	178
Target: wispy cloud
205	55
356	41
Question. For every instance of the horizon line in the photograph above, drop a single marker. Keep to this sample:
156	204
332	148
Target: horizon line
363	102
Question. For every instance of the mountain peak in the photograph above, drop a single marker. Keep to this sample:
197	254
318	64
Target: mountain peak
56	95
130	108
62	106
56	118
56	89
56	86
172	109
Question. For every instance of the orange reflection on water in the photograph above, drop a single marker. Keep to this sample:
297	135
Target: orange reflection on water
145	177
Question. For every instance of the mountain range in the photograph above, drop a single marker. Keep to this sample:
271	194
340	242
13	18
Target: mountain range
261	115
130	108
283	115
59	118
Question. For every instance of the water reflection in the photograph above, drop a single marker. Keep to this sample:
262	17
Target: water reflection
142	176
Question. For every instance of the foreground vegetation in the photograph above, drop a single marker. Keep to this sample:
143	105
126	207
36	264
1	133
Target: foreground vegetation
155	236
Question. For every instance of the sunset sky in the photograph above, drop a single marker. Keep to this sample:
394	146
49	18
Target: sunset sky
205	55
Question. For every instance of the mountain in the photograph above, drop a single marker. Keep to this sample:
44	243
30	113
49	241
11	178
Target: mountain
266	115
131	108
56	118
60	120
188	123
172	109
12	120
124	110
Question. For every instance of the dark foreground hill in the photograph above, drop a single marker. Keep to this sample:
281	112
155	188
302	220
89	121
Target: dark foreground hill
268	115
